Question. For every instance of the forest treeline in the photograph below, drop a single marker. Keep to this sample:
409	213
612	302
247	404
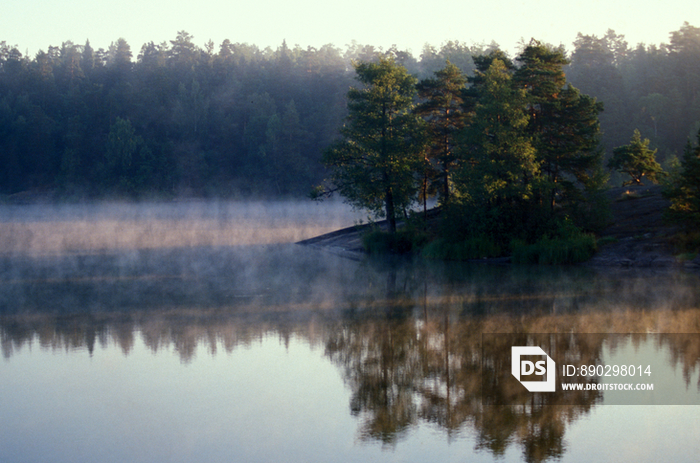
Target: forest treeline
235	119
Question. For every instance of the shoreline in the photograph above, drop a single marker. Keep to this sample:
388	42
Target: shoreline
638	234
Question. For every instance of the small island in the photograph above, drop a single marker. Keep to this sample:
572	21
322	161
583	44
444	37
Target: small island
637	235
511	155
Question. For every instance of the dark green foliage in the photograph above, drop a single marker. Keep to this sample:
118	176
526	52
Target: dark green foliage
683	189
498	164
554	251
563	124
592	212
219	120
652	87
475	231
241	121
476	247
636	160
442	100
529	154
567	245
373	165
128	164
401	242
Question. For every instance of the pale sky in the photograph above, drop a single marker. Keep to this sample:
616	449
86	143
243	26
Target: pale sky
36	24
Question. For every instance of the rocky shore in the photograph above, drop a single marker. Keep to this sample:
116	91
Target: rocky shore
346	242
637	235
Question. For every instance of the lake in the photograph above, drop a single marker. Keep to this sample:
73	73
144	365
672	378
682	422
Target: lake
198	331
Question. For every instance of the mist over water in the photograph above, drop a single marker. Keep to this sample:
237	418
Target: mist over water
119	321
42	229
121	256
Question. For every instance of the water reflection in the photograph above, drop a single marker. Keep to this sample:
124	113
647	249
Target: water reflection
405	336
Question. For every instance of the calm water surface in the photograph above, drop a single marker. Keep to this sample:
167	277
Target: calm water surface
199	332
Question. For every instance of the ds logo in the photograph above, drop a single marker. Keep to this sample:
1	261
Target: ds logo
539	368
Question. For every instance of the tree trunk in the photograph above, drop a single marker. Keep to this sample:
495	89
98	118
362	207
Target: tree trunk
390	211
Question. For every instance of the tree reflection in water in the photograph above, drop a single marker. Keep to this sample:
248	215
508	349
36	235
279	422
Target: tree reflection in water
406	338
403	371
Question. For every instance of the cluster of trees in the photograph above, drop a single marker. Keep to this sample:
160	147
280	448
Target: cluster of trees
176	117
511	152
683	190
508	146
240	119
653	93
652	88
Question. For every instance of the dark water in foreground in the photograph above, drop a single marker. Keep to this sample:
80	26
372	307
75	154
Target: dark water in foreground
211	351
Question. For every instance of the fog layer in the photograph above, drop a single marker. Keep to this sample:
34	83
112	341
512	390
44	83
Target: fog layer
42	229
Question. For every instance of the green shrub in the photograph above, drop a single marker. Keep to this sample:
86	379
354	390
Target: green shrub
686	242
572	249
401	242
688	256
471	248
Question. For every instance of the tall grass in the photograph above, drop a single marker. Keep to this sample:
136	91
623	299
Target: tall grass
471	248
686	242
573	249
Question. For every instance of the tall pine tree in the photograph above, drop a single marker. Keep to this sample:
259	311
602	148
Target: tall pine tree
499	166
563	124
442	103
374	162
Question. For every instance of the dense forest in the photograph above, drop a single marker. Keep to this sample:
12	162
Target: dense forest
176	118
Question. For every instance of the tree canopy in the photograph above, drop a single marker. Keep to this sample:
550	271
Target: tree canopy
513	149
529	153
235	119
636	160
684	190
375	161
442	106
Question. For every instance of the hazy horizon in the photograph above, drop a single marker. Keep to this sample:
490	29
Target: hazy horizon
32	25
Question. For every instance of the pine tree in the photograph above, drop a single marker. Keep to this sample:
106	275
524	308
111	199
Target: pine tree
442	109
498	162
127	165
374	162
563	124
684	189
636	160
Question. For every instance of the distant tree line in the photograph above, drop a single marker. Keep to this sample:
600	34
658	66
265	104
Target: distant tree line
177	118
239	120
652	88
